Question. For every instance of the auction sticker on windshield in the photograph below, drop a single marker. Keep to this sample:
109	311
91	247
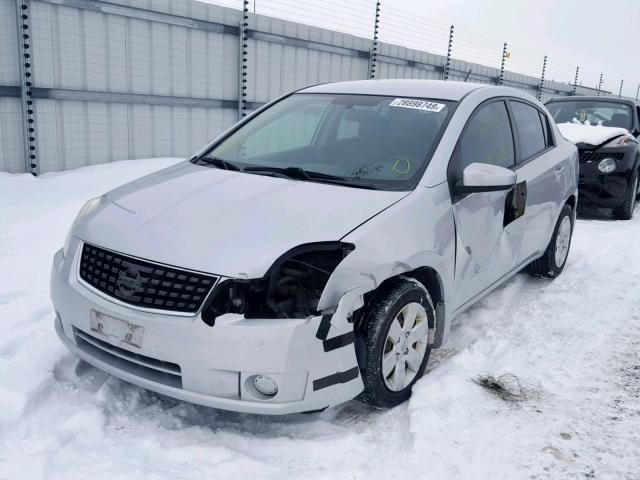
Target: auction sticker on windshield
417	104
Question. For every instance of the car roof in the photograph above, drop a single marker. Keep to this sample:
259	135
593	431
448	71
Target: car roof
591	98
436	89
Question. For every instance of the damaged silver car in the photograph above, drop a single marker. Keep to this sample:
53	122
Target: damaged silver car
318	250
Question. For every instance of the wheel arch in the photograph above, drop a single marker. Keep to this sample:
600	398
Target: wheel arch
431	280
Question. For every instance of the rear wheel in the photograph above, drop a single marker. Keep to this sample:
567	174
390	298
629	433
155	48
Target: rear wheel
625	211
396	343
552	263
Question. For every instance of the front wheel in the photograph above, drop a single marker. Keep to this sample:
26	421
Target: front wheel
625	211
552	263
396	342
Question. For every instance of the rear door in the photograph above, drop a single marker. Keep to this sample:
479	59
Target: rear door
540	169
487	238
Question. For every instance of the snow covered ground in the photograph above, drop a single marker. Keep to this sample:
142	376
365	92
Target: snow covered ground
575	340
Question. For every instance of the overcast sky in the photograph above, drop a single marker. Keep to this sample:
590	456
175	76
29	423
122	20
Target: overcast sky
600	36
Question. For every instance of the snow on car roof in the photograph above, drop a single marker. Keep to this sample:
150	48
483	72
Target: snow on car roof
445	90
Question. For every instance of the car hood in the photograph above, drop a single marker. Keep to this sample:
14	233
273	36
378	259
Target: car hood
229	223
590	135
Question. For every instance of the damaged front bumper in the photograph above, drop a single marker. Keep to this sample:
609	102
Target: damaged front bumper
599	189
311	360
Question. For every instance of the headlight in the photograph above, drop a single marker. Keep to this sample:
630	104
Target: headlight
85	211
607	165
621	140
291	288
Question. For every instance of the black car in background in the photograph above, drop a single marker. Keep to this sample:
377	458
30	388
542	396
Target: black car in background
606	132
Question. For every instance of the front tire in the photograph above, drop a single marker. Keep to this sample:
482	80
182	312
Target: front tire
395	339
551	264
625	211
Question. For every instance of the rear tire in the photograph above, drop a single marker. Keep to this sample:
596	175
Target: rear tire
551	264
625	211
395	342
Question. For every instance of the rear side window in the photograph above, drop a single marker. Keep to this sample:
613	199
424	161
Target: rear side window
546	129
531	135
487	138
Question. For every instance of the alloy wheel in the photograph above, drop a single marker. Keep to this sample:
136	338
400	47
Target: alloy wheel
563	239
405	346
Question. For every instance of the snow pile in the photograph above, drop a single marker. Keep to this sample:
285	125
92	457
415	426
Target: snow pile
575	341
590	134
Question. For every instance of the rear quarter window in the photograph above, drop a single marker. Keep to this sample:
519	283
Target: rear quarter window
546	128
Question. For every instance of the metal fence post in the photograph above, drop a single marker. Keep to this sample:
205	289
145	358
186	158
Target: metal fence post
504	57
620	91
447	65
541	84
23	14
638	92
599	85
373	53
242	74
575	82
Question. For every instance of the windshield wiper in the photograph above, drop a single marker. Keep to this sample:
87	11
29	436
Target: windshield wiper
289	172
297	173
220	163
294	173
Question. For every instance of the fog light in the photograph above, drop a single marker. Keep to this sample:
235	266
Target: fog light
607	165
265	385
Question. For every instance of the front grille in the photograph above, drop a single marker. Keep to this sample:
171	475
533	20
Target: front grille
591	156
149	368
142	283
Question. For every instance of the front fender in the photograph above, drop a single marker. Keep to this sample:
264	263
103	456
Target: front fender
418	231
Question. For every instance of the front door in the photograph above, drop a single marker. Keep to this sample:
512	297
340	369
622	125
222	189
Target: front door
488	230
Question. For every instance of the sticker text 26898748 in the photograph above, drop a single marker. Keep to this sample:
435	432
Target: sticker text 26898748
417	104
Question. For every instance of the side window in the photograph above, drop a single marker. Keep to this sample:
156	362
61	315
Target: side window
487	138
529	128
546	127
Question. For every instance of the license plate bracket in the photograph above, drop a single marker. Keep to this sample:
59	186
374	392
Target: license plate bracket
115	330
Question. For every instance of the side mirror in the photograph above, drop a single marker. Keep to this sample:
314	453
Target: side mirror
482	177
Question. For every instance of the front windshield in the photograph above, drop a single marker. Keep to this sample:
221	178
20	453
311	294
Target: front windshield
592	112
361	140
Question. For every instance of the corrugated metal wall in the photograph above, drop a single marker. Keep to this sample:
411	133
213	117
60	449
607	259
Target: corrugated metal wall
162	66
115	80
11	132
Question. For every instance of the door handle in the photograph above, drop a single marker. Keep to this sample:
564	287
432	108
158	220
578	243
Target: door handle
559	169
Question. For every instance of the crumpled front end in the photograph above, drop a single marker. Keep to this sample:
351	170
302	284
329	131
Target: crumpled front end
300	364
607	159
